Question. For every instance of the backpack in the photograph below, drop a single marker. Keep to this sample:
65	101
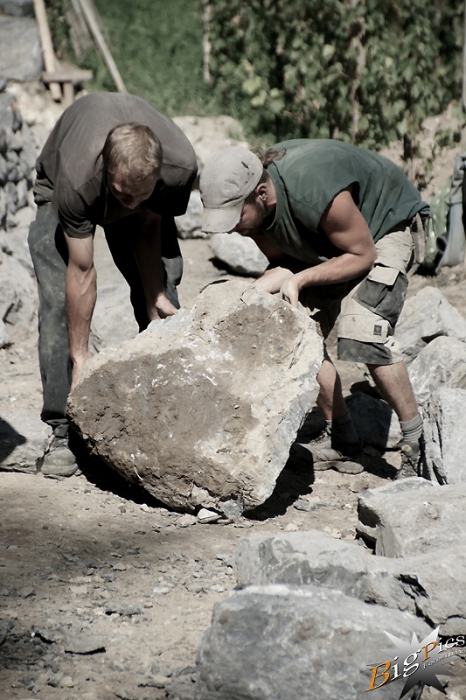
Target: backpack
445	232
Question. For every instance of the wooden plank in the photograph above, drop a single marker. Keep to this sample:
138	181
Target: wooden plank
100	41
74	76
47	46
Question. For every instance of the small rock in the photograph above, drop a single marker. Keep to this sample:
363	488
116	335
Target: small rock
156	681
83	643
208	516
291	527
124	609
301	504
67	682
186	520
160	590
145	508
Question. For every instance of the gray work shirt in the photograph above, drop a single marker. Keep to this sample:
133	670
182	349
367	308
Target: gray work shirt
70	171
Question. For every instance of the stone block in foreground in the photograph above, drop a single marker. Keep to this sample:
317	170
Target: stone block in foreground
445	435
424	585
203	407
270	642
413	516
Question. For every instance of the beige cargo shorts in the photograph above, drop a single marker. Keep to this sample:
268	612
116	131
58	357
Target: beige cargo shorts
367	310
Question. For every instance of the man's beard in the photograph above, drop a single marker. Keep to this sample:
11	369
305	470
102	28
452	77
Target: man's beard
260	210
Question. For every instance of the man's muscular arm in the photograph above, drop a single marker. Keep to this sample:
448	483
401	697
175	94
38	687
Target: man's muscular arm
347	229
147	251
81	294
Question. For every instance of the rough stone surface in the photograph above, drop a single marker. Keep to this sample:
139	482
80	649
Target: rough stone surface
222	389
315	558
18	296
445	434
413	516
442	363
425	316
276	642
17	8
21	55
239	253
23	439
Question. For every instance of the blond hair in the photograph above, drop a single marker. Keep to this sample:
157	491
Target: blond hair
133	151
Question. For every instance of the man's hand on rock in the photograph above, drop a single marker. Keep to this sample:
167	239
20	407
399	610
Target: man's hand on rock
289	291
272	280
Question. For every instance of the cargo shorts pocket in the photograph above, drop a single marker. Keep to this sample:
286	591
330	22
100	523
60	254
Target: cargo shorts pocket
383	292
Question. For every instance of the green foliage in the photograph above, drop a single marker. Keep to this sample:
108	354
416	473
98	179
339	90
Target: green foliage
366	71
157	46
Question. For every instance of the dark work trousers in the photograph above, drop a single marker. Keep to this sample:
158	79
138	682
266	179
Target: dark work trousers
49	254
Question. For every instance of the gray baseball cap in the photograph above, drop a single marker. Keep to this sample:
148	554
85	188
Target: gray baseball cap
228	177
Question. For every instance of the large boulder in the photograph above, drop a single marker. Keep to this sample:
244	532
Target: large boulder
413	516
442	363
314	558
425	316
202	408
445	435
270	642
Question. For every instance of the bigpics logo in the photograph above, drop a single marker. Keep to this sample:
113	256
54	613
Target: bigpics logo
418	662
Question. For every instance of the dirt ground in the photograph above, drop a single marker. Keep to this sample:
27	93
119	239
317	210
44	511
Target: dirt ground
105	594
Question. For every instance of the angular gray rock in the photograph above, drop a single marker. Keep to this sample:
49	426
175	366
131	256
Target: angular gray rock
425	316
202	408
17	8
21	55
442	363
413	516
315	558
445	434
23	439
18	298
311	643
239	253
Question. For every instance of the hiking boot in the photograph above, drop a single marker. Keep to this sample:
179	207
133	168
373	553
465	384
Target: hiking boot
412	454
58	460
328	452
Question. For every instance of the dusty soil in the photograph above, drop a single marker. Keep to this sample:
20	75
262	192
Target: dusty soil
104	593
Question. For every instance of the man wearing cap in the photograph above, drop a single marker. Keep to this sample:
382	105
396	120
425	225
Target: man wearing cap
115	161
335	220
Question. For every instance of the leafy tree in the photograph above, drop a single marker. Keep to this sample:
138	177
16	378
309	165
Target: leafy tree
366	71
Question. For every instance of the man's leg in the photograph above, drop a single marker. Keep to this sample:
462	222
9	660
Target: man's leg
395	387
49	255
365	334
120	245
339	446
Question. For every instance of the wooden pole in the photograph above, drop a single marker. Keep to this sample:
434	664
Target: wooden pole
100	41
47	46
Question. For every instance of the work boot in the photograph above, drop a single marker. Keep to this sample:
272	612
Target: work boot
58	461
328	452
412	457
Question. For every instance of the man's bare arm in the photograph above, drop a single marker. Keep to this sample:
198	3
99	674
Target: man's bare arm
347	229
81	294
147	251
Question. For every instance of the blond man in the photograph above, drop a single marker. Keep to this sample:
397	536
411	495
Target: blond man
115	161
